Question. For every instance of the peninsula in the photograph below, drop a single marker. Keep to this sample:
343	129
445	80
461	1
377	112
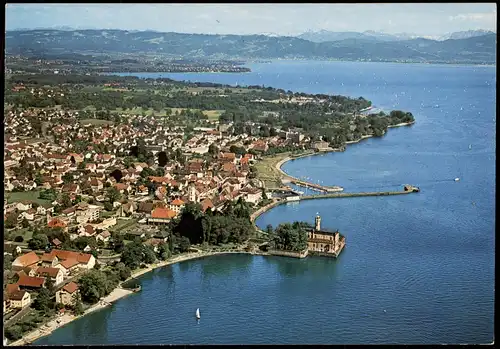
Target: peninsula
108	177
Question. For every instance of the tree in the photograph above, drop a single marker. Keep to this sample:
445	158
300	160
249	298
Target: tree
117	244
133	255
14	332
164	251
49	285
162	159
113	194
123	271
25	224
184	244
117	175
11	221
38	242
77	304
92	286
18	238
160	172
65	201
7	261
213	149
108	206
67	178
42	302
149	255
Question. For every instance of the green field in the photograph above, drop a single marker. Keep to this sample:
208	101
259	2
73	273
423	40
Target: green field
122	224
212	115
97	122
27	234
25	195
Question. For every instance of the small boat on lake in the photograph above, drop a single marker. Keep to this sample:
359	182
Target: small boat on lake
198	313
457	179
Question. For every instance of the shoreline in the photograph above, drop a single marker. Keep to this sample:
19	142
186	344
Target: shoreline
115	295
280	163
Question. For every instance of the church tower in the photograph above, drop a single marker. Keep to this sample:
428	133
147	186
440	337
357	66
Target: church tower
317	223
192	193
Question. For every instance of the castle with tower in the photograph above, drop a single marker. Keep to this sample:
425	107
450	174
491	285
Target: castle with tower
324	242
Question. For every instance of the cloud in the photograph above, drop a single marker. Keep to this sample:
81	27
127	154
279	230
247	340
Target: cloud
475	17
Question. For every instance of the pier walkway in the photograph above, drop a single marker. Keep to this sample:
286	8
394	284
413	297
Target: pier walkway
408	189
351	195
318	187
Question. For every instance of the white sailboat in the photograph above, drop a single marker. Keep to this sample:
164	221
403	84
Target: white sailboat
457	179
198	313
470	146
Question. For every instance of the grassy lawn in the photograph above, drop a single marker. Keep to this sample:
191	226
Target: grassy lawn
96	122
106	214
121	224
25	233
213	115
266	169
25	195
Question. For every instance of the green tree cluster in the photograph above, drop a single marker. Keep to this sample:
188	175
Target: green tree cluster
290	237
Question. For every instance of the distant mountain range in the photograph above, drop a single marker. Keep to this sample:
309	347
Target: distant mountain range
325	36
466	47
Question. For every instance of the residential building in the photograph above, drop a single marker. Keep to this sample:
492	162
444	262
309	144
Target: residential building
30	282
161	216
26	260
55	274
67	293
19	299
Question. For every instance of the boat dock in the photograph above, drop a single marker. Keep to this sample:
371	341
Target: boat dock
318	187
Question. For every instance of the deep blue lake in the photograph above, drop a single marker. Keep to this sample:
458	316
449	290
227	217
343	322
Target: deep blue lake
417	269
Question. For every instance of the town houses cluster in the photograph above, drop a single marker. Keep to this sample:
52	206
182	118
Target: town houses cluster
63	164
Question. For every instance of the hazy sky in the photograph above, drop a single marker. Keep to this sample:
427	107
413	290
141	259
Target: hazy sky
283	19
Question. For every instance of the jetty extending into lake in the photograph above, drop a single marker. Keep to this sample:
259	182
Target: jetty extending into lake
294	197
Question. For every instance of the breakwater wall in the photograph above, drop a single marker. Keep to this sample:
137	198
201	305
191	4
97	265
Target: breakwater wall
351	195
292	254
277	202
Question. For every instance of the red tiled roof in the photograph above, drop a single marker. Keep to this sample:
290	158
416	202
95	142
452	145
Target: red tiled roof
70	287
56	223
52	272
206	204
178	202
78	256
27	259
121	186
69	263
31	281
48	257
11	288
163	213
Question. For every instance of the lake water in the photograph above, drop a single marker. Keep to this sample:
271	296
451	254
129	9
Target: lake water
417	269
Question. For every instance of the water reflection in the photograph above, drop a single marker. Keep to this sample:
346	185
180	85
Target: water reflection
224	265
313	266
